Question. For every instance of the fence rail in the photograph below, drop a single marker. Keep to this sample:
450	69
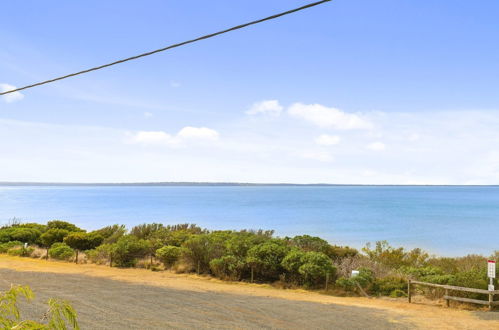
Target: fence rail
491	303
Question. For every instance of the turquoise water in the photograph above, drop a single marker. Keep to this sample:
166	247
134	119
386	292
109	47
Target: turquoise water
444	220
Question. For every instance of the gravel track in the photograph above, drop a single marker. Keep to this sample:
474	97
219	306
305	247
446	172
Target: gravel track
109	304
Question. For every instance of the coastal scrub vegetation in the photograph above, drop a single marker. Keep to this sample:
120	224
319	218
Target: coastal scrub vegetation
247	255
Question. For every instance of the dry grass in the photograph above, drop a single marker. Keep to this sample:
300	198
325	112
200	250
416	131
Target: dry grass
424	313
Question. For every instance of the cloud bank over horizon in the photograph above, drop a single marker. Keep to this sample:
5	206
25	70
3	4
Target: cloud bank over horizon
270	142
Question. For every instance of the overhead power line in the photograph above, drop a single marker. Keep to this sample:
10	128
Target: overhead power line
168	47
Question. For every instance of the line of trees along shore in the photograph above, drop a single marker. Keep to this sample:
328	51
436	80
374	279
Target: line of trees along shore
246	255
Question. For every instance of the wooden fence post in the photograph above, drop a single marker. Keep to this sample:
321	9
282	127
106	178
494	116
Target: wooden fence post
327	280
447	301
409	291
491	299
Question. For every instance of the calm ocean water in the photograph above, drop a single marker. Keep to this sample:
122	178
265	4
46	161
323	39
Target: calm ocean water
444	220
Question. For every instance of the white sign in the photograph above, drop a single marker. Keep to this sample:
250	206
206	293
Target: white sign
491	271
355	273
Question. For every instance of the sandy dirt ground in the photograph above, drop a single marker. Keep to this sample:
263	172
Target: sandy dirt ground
111	298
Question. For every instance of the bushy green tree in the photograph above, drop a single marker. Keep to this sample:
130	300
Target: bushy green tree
83	241
310	243
128	249
22	234
227	267
169	254
309	268
146	230
59	224
316	267
292	263
266	258
111	234
52	236
202	248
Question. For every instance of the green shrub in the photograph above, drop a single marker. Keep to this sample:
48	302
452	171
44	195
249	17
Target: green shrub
169	254
21	251
61	251
421	272
4	247
227	267
388	285
398	293
365	278
438	279
101	254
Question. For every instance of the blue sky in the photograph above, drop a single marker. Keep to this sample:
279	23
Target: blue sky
399	92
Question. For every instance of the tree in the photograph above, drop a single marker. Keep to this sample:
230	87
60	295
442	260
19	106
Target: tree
52	236
146	230
128	248
310	243
227	267
59	315
203	248
292	263
83	241
266	258
111	234
169	254
58	224
25	235
316	267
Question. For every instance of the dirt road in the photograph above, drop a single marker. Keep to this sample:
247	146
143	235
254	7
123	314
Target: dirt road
139	299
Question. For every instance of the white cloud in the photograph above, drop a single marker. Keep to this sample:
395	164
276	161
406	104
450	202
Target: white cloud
321	156
152	137
268	107
201	133
414	137
376	146
11	97
325	117
162	138
148	114
175	84
327	140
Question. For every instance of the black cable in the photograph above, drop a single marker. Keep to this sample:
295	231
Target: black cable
169	47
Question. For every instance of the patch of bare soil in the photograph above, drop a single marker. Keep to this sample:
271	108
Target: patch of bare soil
111	298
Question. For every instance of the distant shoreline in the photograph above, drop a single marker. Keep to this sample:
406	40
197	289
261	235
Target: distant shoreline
231	184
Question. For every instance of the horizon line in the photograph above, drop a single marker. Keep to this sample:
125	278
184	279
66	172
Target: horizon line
223	183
